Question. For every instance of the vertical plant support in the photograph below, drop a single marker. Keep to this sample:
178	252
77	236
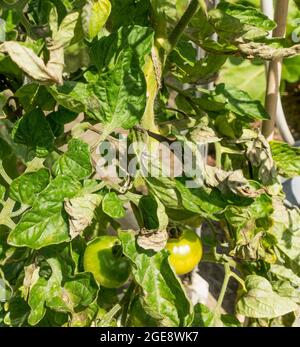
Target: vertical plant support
268	10
274	71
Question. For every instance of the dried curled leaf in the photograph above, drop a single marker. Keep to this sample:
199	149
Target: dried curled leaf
81	212
230	181
155	240
264	51
204	135
259	153
34	66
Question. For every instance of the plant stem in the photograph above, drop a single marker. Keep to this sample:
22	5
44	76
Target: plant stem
238	278
218	150
4	175
227	276
5	214
19	211
110	315
177	32
274	71
126	302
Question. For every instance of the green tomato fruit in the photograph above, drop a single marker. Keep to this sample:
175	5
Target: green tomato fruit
101	258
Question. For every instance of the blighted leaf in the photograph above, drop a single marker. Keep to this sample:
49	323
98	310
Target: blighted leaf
155	240
33	131
45	223
76	162
81	290
41	290
84	318
286	158
112	205
203	135
65	34
81	212
163	294
30	278
259	153
284	273
286	228
33	65
94	16
261	301
26	187
230	181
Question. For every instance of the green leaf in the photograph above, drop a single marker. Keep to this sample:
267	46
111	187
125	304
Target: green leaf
248	15
76	162
153	213
128	12
26	187
33	131
104	53
163	295
76	97
45	224
94	16
235	100
287	158
5	149
121	92
32	95
261	301
204	317
245	75
112	205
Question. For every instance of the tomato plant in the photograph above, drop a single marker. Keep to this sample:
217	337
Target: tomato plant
124	120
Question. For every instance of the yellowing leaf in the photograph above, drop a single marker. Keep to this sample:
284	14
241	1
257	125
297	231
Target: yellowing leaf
94	16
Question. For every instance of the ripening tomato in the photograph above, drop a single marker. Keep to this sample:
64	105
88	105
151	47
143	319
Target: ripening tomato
103	258
185	251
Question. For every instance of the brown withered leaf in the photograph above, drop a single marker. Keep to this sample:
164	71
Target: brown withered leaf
230	181
204	135
81	212
33	65
155	240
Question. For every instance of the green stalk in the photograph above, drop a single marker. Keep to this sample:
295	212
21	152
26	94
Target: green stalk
177	32
218	149
223	291
5	214
4	175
